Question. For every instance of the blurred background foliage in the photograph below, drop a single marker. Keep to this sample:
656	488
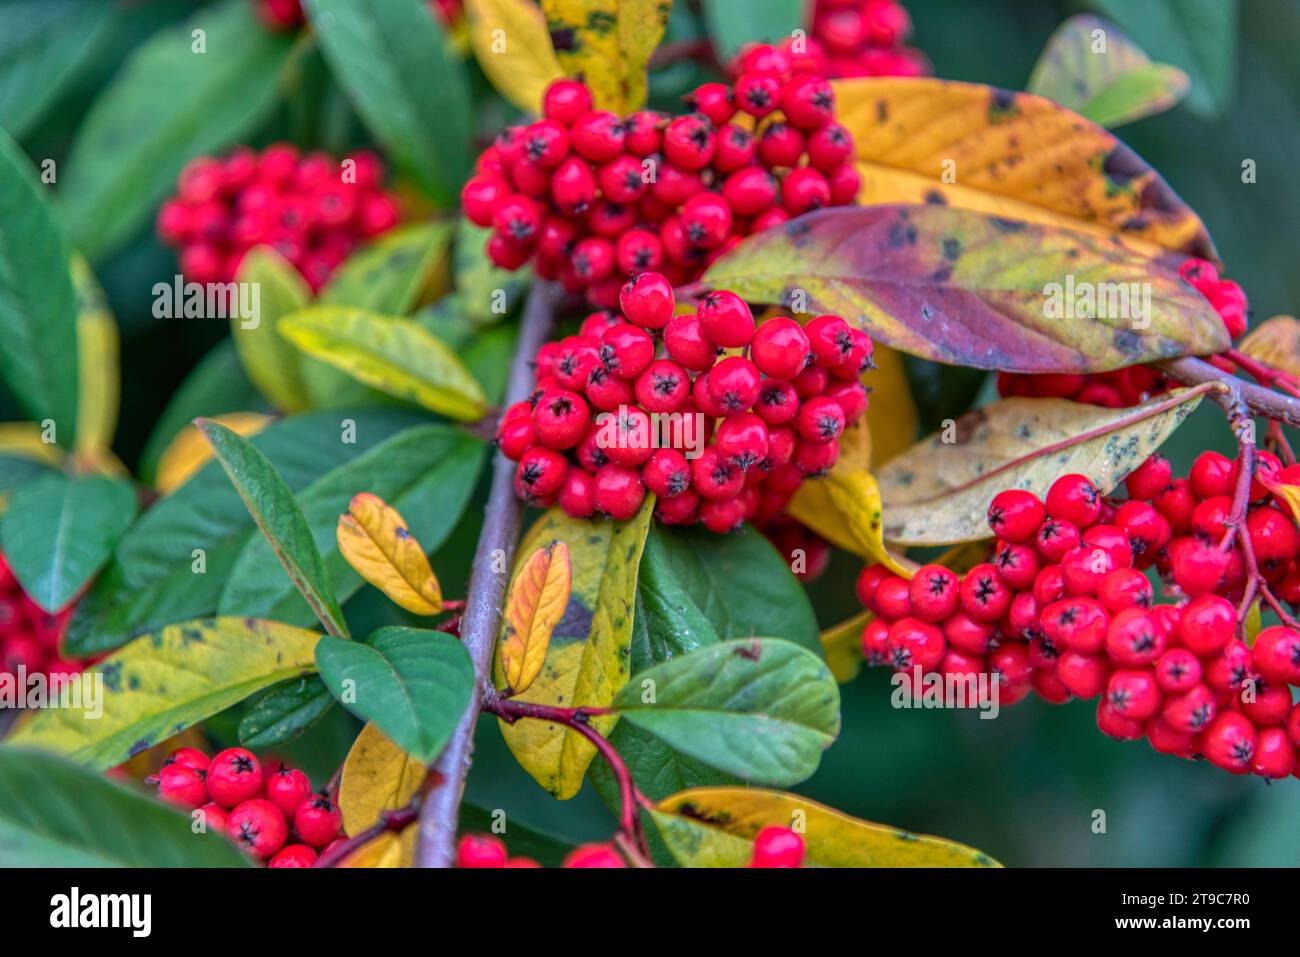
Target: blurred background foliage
1026	787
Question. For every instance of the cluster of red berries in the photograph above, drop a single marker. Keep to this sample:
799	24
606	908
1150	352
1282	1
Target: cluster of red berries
312	209
259	809
617	407
29	635
1063	607
1125	387
773	847
853	38
591	198
286	15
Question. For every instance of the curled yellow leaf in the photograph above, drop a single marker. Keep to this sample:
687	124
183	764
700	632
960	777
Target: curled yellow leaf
538	596
378	776
512	45
1275	342
190	451
373	537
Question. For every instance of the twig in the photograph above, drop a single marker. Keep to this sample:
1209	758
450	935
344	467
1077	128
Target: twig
482	616
1259	400
389	821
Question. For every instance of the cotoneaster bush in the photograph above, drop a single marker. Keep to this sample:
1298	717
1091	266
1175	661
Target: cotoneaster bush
565	353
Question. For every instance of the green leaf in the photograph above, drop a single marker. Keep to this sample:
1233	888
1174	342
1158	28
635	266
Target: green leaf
216	386
759	708
279	517
168	105
1091	67
485	292
56	814
426	472
42	44
387	276
58	531
668	623
412	684
1200	36
162	683
283	713
272	364
38	313
732	25
397	356
739	583
392	59
716	827
587	660
967	288
174	562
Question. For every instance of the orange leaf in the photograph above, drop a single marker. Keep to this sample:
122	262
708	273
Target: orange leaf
538	597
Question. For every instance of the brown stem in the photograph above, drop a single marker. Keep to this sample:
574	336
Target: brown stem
397	819
1259	400
487	587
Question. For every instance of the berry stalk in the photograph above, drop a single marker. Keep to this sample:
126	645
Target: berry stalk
481	619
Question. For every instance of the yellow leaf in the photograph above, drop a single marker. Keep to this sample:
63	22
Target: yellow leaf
99	388
190	451
373	537
891	416
395	355
588	658
842	644
161	683
1290	496
715	827
513	47
608	44
378	776
938	492
23	440
844	508
385	851
1275	342
273	365
539	593
1016	155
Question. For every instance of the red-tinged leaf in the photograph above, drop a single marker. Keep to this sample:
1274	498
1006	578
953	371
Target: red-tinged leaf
971	289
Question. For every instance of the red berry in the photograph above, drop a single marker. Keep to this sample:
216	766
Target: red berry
777	402
1016	515
663	386
626	350
916	643
540	474
689	142
1074	499
234	776
560	418
1082	674
934	592
647	300
714	477
780	348
726	320
713	100
1229	742
722	516
667	473
751	191
706	218
1055	539
820	420
479	850
780	144
830	147
1210	475
1277	654
1178	670
317	820
188	757
594	855
804	189
578	493
573	186
286	788
258	827
869	580
1116	724
893	598
1207	625
1150	478
734	383
619	491
808	101
1079	624
1125	588
566	100
758	94
1198	566
293	855
597	135
182	786
984	596
741	440
777	847
1275	755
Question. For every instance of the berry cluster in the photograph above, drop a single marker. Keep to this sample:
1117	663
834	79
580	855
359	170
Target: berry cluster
773	847
1063	607
1126	387
591	198
618	406
283	16
29	636
259	809
851	38
310	208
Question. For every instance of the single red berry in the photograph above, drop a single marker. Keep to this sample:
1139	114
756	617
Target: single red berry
1056	538
1147	530
690	141
706	218
1211	474
1207	624
234	776
1016	515
815	458
1198	566
293	855
1178	670
820	420
777	847
607	391
726	319
626	436
777	402
647	300
560	418
967	635
875	643
1273	536
1150	478
1275	755
916	643
480	850
780	145
741	439
1134	638
780	348
214	818
751	191
721	517
1229	742
594	855
1074	499
714	477
1082	674
578	493
566	100
188	757
934	592
734	383
619	491
540	474
597	135
626	350
1113	722
317	820
678	510
1176	504
286	788
713	100
893	598
573	186
869	580
1125	588
808	101
1277	654
642	132
804	189
258	827
182	786
663	386
984	596
1079	624
1084	568
684	338
811	382
758	94
1268	706
667	473
830	147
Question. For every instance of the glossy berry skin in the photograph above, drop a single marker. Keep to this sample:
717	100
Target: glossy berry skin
293	855
1149	479
742	440
1177	670
578	493
540	473
1134	694
1134	638
1211	474
726	319
317	820
734	383
480	850
1277	654
182	786
1275	755
1198	566
984	596
560	419
566	100
214	817
687	345
1229	742
808	102
916	643
777	847
667	473
234	776
618	491
287	788
935	593
594	855
1074	499
1207	624
1083	675
188	757
258	827
1016	515
714	477
780	348
647	300
662	387
820	420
